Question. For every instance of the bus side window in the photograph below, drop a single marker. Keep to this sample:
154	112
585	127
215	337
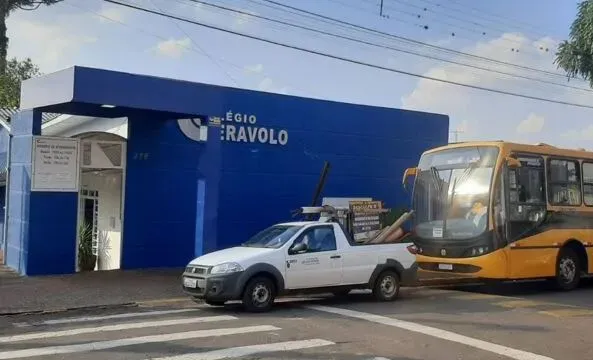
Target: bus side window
527	195
564	182
588	183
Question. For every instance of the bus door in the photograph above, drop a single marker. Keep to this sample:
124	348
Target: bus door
526	209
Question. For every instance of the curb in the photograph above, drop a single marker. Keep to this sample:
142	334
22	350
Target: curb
61	310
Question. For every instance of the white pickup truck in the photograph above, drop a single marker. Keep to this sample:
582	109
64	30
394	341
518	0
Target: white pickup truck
299	257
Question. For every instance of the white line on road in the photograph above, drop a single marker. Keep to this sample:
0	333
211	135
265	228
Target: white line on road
110	344
106	317
118	327
235	352
435	332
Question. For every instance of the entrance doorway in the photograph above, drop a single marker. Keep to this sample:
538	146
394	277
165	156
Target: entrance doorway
101	200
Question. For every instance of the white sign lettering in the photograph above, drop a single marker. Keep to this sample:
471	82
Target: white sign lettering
55	164
239	128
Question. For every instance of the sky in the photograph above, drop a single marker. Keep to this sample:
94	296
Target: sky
523	34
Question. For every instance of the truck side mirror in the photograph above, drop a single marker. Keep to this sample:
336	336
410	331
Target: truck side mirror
409	172
298	248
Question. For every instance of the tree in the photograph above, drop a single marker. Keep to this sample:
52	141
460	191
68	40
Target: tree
10	82
6	7
575	56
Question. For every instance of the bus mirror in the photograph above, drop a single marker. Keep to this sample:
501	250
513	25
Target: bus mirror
513	163
409	172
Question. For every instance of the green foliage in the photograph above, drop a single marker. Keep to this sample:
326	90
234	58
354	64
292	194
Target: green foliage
86	259
575	56
10	82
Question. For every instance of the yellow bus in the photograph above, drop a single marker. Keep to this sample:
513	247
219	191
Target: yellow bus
504	211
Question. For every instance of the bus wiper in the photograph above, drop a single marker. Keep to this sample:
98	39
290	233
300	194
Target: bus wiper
438	185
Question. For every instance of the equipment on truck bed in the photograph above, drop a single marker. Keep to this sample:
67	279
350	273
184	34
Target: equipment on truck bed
347	217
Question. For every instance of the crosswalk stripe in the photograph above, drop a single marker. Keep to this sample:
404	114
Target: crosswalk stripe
90	330
434	332
108	317
240	351
109	344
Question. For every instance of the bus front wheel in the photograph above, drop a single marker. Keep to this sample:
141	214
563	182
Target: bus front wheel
568	270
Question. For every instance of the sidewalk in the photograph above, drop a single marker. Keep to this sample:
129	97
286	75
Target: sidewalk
105	288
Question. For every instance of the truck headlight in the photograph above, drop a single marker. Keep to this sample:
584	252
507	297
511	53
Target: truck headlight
226	268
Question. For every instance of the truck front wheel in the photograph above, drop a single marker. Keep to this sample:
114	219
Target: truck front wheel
386	286
259	294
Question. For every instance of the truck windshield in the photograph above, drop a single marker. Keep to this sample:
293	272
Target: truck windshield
451	192
272	237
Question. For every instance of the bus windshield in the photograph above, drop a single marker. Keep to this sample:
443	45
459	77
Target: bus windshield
451	192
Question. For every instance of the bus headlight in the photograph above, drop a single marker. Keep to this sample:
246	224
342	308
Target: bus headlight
478	250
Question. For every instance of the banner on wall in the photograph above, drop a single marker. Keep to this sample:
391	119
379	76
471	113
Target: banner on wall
55	166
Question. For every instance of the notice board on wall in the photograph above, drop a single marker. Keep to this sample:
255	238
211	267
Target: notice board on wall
56	164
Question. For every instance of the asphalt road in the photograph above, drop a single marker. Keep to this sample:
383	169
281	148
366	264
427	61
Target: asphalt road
513	321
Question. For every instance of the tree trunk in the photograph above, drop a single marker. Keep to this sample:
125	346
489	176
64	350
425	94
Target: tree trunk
3	37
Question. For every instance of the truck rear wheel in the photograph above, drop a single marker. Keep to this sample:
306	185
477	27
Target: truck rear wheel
259	294
386	286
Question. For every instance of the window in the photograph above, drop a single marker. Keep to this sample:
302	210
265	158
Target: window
588	183
564	182
318	238
527	183
527	196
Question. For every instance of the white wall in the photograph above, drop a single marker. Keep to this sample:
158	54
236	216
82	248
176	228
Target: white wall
109	186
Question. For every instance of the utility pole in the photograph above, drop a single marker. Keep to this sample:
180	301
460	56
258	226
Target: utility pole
456	134
381	9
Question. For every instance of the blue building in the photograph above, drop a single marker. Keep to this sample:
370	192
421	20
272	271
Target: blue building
165	170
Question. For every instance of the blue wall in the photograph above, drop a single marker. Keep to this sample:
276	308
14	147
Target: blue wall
185	198
163	172
368	148
250	184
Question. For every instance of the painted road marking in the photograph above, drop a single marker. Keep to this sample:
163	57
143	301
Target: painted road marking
106	317
110	344
164	301
480	296
561	313
235	352
435	332
97	329
520	303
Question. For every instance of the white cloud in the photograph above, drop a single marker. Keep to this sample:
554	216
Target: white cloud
257	68
174	48
51	46
484	115
585	134
267	84
532	124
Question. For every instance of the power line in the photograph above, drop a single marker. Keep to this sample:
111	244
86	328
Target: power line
228	75
386	46
352	61
427	8
457	52
480	15
500	16
197	50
